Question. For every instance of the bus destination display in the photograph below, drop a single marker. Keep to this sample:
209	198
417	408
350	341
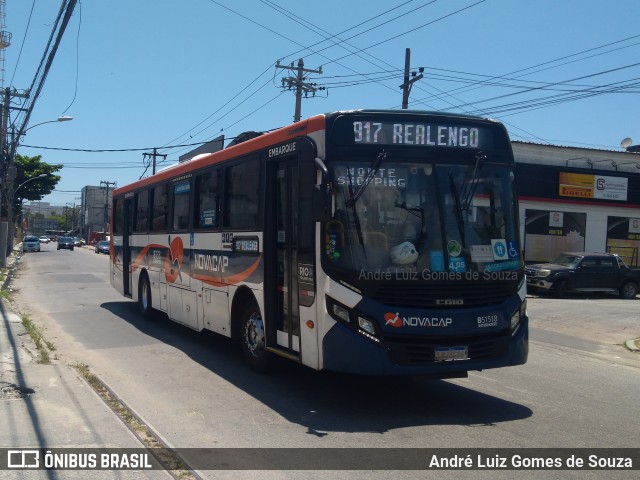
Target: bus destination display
421	134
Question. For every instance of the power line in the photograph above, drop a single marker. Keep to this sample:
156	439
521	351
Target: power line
24	38
75	92
220	108
486	82
410	30
532	89
295	42
357	52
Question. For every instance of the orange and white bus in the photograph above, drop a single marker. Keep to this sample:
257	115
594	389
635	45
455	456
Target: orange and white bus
367	241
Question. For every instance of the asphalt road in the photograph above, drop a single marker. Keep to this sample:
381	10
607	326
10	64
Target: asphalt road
580	387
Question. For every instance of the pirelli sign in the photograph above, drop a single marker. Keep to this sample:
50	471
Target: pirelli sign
600	187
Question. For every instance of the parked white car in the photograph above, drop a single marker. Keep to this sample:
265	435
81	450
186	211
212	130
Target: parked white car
31	244
44	239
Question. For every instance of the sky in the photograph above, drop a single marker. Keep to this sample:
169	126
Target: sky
142	74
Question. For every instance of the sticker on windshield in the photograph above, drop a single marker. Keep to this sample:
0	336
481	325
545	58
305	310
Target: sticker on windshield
499	248
454	248
437	260
481	253
457	264
513	249
497	267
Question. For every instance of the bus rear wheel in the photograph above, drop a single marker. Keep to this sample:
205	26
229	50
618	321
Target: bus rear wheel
252	337
144	297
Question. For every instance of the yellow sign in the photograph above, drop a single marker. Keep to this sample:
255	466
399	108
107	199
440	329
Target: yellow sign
577	179
571	191
579	185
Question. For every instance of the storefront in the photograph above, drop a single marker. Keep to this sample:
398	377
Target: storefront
576	199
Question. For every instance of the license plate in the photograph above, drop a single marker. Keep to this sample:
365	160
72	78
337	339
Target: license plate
443	354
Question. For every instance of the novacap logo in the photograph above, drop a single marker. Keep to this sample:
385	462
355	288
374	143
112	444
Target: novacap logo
396	321
393	319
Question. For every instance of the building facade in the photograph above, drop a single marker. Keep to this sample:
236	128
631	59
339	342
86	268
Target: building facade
577	199
94	210
42	208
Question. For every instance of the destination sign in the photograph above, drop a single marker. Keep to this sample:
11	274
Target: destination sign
421	134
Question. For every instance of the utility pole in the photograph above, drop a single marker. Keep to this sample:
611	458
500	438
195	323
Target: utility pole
299	83
154	155
406	86
106	184
8	145
8	172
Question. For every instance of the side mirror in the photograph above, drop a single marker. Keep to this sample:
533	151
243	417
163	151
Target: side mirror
321	203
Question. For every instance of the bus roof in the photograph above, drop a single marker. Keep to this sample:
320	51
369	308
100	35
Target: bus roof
283	134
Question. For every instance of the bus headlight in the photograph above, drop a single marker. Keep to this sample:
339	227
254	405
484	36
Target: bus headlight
341	312
366	325
367	329
517	316
344	314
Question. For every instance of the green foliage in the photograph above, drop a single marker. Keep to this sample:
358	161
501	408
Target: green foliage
60	219
31	167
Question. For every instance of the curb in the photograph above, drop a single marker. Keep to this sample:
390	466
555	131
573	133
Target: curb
10	268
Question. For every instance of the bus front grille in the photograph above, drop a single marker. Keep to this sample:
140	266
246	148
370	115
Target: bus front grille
459	296
421	350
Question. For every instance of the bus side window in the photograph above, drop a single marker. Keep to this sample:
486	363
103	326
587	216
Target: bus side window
241	206
141	220
119	215
206	208
159	208
181	193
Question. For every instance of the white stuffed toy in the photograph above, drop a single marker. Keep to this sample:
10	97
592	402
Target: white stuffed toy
404	254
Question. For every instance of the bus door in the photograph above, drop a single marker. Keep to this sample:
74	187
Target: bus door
284	242
289	255
126	247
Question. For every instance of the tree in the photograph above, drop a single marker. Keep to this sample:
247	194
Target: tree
61	219
28	168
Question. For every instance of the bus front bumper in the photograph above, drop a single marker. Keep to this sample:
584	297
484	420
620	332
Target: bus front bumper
346	351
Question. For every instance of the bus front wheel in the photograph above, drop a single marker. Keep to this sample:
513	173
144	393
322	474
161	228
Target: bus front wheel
252	336
144	297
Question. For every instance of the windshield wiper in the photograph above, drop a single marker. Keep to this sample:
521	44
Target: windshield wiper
356	218
373	169
454	192
469	186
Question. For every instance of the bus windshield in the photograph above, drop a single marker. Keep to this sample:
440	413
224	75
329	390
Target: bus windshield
433	217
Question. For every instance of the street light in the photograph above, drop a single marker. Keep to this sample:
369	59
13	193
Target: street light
62	118
6	233
42	175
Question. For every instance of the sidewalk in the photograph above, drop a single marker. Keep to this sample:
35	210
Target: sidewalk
50	406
